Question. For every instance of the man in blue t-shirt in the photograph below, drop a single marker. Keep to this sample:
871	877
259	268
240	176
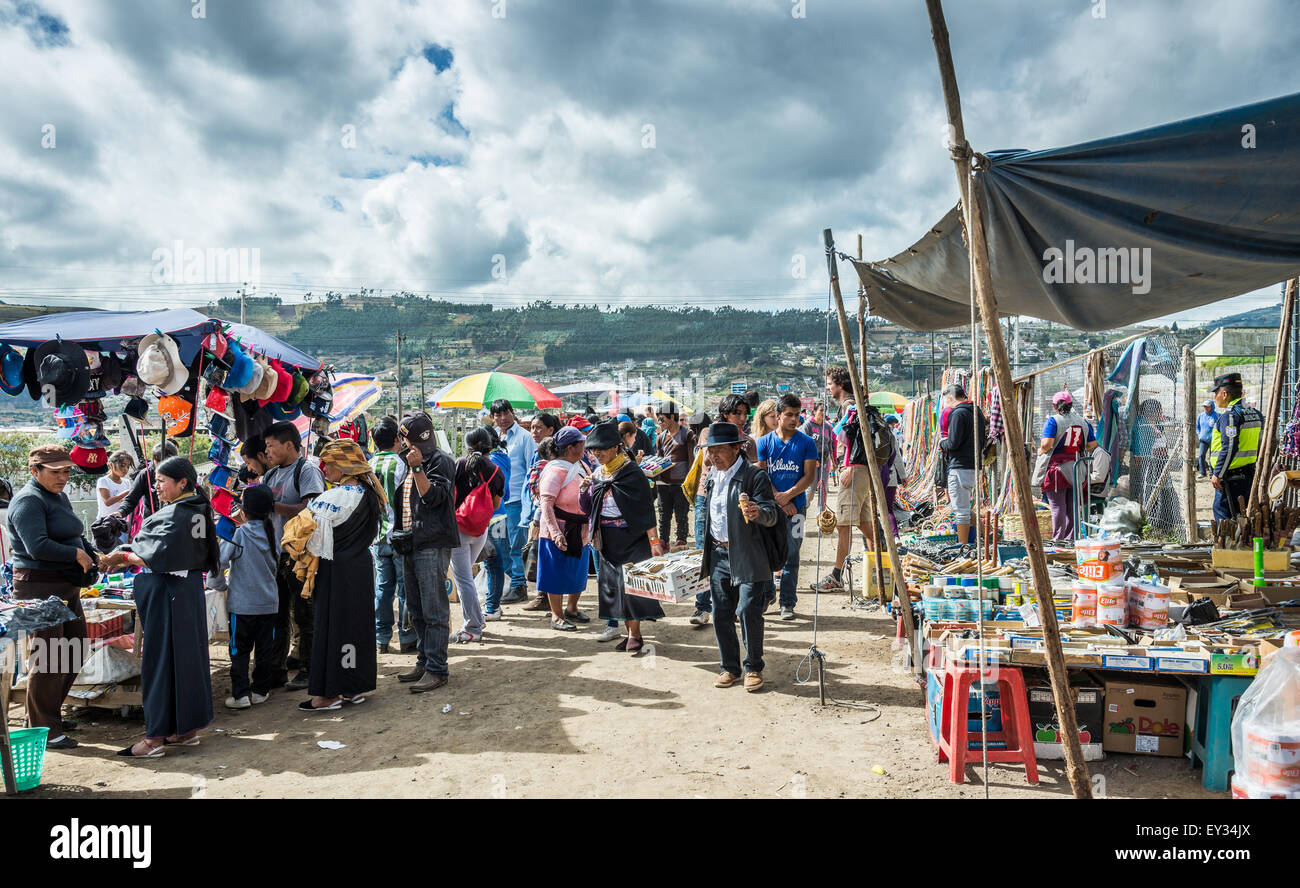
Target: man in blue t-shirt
790	458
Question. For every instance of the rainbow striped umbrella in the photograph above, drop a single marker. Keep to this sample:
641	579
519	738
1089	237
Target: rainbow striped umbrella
353	393
481	389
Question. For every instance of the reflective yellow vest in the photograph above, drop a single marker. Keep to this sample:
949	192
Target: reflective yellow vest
1248	427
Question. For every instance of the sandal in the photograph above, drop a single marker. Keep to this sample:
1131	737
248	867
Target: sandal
356	700
192	740
563	626
154	751
634	645
306	706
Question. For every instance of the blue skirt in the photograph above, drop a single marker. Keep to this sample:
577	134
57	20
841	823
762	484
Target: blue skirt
559	573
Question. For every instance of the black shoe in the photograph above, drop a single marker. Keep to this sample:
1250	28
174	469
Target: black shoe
299	681
69	725
64	742
408	647
515	595
577	617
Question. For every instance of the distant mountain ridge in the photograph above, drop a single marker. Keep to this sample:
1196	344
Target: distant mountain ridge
1268	316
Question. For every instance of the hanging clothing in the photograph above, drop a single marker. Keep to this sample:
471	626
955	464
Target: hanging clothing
175	679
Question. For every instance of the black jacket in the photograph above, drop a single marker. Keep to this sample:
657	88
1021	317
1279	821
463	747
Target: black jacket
746	551
960	443
434	523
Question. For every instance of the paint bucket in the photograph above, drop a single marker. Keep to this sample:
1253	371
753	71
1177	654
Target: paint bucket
1112	605
1084	603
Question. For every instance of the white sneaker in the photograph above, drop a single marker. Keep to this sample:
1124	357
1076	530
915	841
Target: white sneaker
464	636
492	615
701	618
258	698
610	633
237	702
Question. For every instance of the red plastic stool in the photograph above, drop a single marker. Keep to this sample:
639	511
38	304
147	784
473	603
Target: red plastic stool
954	733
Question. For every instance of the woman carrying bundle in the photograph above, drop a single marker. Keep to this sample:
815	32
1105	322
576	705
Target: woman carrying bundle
619	503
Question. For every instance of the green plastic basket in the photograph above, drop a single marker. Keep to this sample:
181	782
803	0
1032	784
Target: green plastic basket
28	745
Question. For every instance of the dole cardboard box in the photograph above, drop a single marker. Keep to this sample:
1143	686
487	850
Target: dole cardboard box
1144	717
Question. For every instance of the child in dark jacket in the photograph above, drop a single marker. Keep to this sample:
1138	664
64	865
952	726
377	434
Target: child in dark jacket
252	599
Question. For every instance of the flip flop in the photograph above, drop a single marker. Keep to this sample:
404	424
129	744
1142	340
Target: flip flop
355	700
305	706
193	741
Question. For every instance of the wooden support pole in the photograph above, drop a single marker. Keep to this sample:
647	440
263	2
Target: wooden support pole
1076	769
1268	435
864	397
1190	409
877	485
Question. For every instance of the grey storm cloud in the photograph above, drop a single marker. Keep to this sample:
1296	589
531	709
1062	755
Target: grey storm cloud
523	136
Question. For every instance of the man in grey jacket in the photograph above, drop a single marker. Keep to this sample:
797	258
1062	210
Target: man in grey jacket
740	505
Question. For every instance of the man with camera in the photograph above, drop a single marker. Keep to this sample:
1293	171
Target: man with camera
424	534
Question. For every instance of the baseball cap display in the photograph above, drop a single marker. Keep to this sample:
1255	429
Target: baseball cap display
61	369
11	371
179	414
91	460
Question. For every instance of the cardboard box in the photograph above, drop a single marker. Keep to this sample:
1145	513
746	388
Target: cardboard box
1244	559
1144	717
1088	710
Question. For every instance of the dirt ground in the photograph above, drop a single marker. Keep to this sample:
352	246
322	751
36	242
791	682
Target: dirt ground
538	713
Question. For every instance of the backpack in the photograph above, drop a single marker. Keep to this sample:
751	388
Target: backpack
880	438
475	512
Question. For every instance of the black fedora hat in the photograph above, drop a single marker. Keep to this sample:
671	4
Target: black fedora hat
604	435
63	366
723	433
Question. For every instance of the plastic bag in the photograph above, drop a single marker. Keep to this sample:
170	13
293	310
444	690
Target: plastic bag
1122	516
1266	730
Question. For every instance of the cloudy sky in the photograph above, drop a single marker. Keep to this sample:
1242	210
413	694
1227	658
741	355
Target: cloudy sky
598	151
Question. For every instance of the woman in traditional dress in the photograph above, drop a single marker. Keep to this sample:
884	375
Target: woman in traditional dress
343	657
563	553
620	508
174	546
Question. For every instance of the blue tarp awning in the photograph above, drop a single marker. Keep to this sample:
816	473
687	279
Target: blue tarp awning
1117	231
105	330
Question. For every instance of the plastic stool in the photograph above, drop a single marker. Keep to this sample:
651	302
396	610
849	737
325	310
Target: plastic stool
954	735
1216	699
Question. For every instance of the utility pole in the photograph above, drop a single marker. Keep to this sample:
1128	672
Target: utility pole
243	293
400	337
422	382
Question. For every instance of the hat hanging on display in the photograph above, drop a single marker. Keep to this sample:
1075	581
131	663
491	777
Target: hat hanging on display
219	452
108	377
283	383
254	380
218	426
65	422
216	344
218	402
91	460
282	412
179	414
223	502
11	371
134	387
29	374
241	370
226	529
61	369
301	388
159	363
215	372
137	408
221	478
91	434
90	411
269	382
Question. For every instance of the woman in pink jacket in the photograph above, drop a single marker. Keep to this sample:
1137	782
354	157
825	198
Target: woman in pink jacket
563	554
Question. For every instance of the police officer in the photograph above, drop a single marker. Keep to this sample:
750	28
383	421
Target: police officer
1234	446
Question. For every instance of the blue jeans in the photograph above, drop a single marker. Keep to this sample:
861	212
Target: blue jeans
389	585
425	572
704	600
517	535
790	572
495	565
745	600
